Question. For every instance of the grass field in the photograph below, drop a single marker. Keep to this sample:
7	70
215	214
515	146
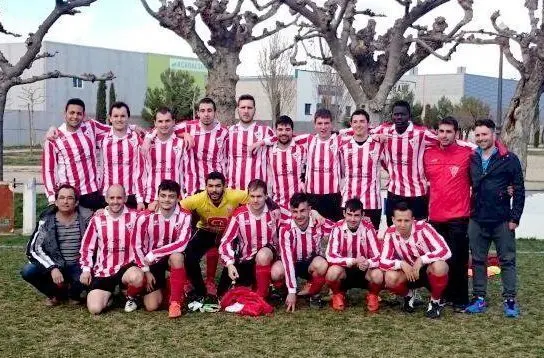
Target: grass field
29	329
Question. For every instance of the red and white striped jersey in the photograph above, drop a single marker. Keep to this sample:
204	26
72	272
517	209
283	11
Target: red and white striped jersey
322	164
424	242
243	166
253	232
285	167
360	166
345	245
71	158
106	245
156	236
208	155
404	159
164	160
299	245
122	163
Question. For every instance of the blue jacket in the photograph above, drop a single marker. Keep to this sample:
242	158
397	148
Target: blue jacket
490	201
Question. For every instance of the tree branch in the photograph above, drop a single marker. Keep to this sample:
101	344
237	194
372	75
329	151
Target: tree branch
45	54
279	26
57	74
151	12
233	14
6	32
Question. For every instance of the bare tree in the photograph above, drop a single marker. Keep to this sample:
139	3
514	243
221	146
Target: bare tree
230	31
10	73
524	103
370	64
31	96
331	92
276	76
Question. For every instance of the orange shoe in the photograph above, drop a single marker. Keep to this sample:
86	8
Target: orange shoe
338	301
372	302
174	310
211	287
305	290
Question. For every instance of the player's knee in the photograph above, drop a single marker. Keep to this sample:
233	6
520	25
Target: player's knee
176	260
376	276
319	266
438	268
95	305
152	303
392	278
277	273
136	278
264	256
334	272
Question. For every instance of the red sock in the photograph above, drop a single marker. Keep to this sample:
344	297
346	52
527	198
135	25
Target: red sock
278	284
374	288
316	285
177	282
133	291
212	258
400	289
438	285
262	278
334	286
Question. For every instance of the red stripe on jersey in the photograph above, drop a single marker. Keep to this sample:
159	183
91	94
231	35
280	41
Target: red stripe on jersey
286	169
424	242
243	166
106	245
360	166
253	233
345	244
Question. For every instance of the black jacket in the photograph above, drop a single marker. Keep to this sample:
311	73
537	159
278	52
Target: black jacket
43	248
490	202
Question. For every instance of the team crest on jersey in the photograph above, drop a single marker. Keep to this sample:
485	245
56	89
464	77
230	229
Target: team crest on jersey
412	142
296	155
373	153
333	147
258	135
129	226
454	170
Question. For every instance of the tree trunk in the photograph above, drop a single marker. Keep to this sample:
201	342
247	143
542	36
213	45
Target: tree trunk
3	97
520	116
221	84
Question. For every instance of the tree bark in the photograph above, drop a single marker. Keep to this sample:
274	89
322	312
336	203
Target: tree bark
3	97
221	84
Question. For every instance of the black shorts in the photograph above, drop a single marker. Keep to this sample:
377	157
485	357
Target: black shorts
355	278
302	267
422	281
328	205
110	283
158	270
418	204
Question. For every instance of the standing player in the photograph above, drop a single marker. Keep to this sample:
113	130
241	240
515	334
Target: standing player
159	241
414	255
360	161
254	225
70	157
122	162
107	255
353	254
243	165
165	157
300	241
214	207
286	161
447	168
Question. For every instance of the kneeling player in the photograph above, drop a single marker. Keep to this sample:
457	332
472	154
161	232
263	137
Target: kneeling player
414	255
254	225
353	254
300	247
106	251
160	238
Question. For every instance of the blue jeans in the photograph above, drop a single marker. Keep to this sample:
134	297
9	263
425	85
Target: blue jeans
41	279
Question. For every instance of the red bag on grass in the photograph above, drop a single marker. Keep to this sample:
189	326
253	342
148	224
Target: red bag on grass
245	302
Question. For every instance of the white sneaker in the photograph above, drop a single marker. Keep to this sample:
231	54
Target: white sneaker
131	305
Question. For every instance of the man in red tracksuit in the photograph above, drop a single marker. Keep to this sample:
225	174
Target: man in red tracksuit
447	169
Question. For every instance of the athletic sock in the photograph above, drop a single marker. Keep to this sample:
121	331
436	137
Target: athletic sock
400	289
262	278
316	284
438	285
335	286
374	288
177	282
212	258
133	291
278	285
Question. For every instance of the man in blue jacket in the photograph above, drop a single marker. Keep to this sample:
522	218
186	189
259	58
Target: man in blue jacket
53	249
493	216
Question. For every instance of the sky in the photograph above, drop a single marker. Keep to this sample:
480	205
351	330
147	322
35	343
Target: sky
125	25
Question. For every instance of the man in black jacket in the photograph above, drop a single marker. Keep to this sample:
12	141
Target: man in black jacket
493	217
53	249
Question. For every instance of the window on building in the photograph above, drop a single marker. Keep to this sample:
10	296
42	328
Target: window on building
77	82
307	109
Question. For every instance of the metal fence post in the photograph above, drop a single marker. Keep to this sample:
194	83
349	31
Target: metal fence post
29	206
